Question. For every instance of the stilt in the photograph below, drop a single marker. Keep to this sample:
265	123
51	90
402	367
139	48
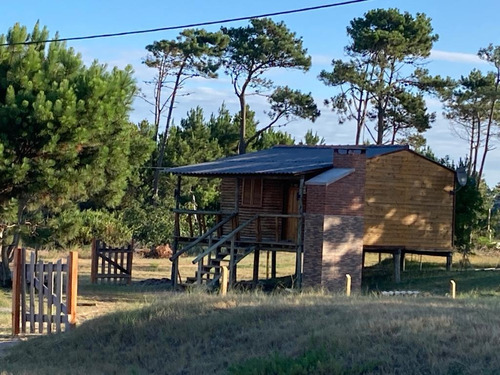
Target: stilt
300	226
273	265
177	233
403	261
256	259
397	266
449	261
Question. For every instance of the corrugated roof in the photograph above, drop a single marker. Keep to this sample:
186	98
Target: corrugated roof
276	160
279	160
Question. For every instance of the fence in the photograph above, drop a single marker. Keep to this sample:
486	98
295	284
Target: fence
111	263
44	294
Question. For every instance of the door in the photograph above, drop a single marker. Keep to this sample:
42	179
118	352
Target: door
292	207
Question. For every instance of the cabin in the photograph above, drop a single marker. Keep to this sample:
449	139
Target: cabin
328	205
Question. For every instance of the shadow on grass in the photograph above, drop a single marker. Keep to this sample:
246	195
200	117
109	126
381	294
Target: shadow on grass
198	333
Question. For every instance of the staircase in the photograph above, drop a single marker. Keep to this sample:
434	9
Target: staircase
210	273
225	252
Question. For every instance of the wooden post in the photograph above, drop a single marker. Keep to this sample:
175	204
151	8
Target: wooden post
16	291
256	260
453	289
273	265
397	265
224	280
403	261
300	226
72	286
449	260
130	258
94	265
177	231
348	285
267	264
232	264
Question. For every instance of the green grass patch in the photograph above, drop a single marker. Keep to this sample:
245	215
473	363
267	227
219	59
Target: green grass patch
319	362
432	279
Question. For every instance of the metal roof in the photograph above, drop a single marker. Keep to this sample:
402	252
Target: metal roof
279	160
330	176
276	160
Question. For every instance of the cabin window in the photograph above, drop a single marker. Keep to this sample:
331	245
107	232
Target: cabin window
251	193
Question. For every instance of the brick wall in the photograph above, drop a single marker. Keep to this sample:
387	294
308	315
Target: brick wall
342	251
334	226
313	249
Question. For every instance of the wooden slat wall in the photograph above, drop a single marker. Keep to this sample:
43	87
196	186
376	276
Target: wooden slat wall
272	202
408	202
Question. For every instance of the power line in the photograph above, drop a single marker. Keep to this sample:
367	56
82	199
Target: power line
207	23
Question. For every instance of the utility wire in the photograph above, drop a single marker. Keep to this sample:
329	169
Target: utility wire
98	36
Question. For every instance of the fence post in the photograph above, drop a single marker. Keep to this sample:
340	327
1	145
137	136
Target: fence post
16	292
453	289
224	280
130	257
93	270
347	285
72	287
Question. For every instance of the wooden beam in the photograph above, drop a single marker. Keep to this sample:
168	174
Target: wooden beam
449	261
300	226
273	265
256	259
177	231
72	293
397	266
16	292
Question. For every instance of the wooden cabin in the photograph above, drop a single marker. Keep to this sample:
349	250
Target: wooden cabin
327	204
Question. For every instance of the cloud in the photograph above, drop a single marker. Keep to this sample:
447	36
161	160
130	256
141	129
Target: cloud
321	60
456	57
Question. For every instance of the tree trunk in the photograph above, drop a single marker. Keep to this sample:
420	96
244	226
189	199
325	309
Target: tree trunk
380	124
164	138
5	274
243	124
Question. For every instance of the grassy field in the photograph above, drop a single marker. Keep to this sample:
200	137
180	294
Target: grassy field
141	329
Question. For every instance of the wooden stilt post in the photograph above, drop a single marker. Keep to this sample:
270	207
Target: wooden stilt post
397	265
273	265
403	261
267	264
449	260
177	230
256	260
300	226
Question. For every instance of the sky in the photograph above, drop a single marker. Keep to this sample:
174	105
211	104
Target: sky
463	27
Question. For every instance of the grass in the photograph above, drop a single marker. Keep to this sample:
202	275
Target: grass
253	333
141	329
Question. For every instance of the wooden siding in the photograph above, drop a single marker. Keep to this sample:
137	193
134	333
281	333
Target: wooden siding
408	202
272	202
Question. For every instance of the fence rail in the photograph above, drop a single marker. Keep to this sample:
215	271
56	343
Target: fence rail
113	264
43	294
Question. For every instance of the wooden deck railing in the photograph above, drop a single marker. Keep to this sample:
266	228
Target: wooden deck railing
205	235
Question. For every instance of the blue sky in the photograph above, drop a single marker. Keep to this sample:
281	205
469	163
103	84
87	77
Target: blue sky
463	28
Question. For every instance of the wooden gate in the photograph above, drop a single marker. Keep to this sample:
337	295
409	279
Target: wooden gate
111	263
43	294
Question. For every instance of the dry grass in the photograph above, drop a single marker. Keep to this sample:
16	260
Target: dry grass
198	333
145	330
